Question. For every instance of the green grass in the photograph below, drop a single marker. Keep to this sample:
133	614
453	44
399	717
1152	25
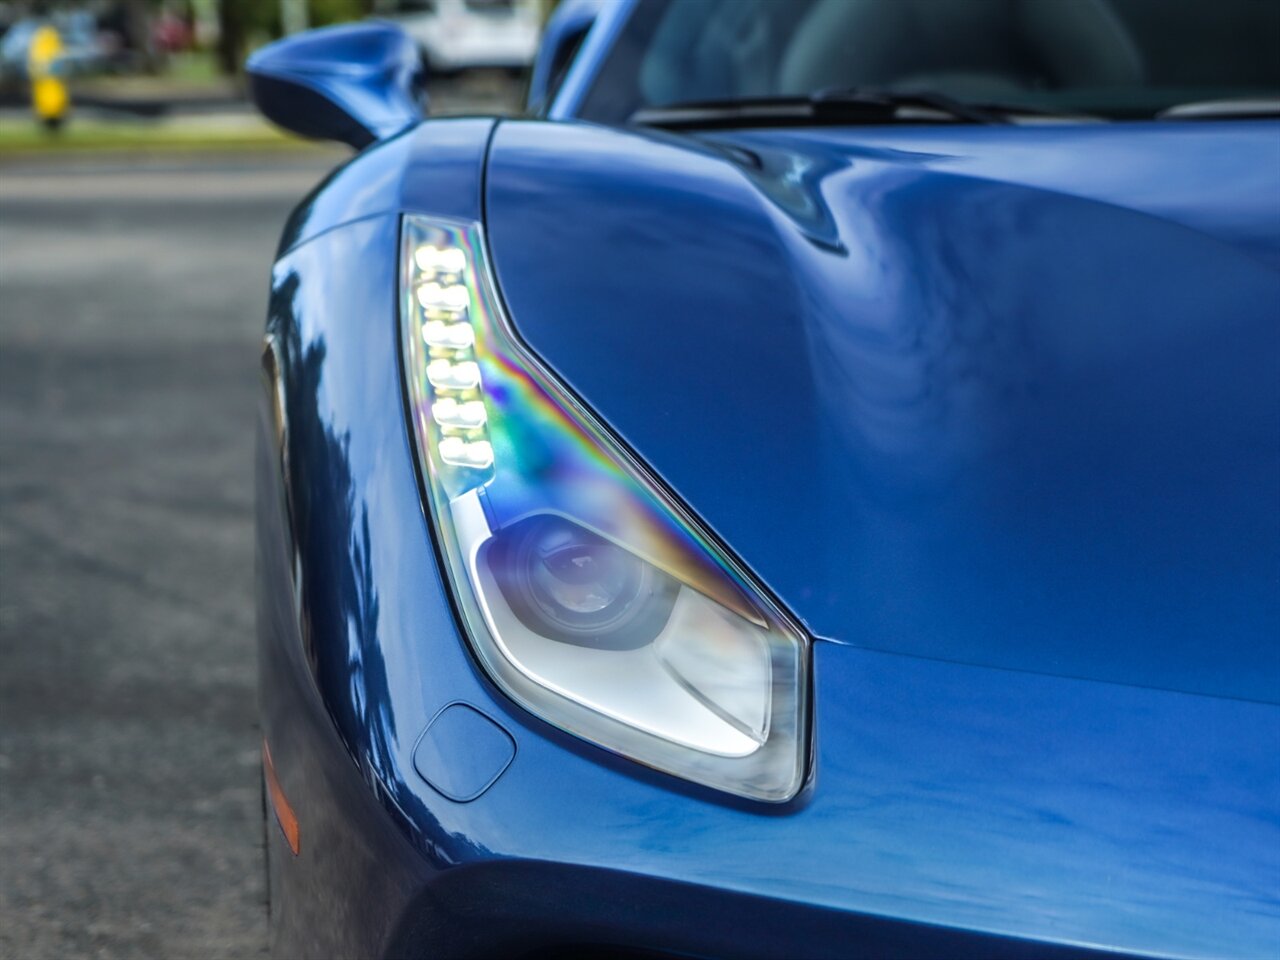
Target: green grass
195	68
17	137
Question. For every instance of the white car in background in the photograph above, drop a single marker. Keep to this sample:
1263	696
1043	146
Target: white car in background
461	34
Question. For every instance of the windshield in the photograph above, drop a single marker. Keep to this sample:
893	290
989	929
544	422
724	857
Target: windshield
1109	58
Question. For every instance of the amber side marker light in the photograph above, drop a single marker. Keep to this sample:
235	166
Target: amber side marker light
285	816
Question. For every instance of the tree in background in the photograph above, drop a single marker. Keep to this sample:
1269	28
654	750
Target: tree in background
325	12
241	22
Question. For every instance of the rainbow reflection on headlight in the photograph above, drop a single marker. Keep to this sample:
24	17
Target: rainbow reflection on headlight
711	681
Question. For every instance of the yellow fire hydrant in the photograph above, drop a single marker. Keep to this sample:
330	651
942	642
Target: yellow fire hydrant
49	97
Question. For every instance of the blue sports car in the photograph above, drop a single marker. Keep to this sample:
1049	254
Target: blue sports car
810	488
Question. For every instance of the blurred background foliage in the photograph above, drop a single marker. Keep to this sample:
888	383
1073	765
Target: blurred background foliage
246	23
149	30
146	73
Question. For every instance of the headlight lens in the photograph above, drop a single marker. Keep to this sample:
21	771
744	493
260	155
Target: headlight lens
588	593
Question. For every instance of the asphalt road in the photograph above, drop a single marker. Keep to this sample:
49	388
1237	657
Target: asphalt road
131	304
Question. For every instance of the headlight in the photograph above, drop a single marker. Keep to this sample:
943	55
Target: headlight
589	594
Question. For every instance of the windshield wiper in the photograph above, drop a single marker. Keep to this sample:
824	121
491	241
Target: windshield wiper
856	106
1241	109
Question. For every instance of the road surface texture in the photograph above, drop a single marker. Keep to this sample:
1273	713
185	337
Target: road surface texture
132	297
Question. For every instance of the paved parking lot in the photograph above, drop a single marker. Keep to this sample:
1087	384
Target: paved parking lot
131	303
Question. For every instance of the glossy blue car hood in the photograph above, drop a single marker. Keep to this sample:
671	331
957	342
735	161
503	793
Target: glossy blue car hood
1001	396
